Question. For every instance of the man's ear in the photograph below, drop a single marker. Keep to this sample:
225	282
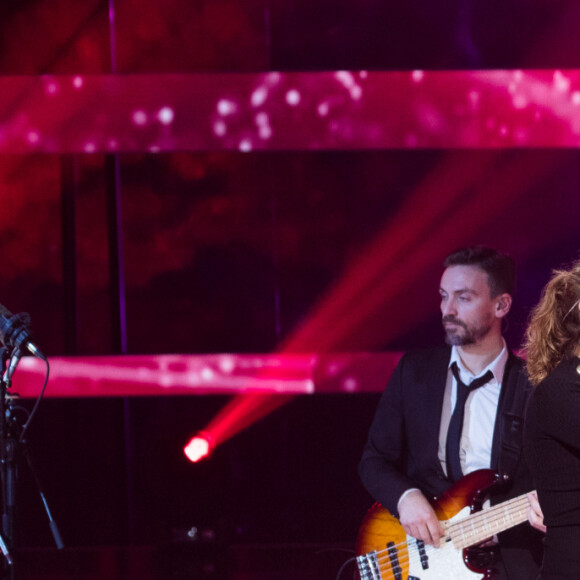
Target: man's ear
503	305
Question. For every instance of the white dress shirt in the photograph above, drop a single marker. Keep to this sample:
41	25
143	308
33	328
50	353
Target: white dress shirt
480	413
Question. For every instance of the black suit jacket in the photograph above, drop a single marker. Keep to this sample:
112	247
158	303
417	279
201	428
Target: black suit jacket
401	451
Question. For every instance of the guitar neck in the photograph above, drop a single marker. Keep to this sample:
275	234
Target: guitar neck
482	525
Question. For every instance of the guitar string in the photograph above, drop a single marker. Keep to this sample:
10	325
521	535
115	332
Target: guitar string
465	528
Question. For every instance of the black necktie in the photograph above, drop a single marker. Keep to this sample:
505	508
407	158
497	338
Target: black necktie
456	424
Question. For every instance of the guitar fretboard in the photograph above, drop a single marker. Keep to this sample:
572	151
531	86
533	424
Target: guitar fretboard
482	525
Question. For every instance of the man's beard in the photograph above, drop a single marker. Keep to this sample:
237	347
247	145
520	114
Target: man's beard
464	335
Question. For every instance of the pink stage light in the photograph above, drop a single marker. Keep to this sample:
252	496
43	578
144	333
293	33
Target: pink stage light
199	447
209	374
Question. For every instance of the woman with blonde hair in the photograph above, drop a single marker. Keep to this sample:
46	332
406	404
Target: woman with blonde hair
552	430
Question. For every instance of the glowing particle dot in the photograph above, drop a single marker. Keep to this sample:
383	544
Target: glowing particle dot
245	145
576	98
259	96
273	78
293	97
33	137
220	128
474	97
345	78
332	369
52	88
349	385
113	144
262	119
154	149
323	109
166	115
226	107
561	82
207	374
227	364
520	102
417	75
503	131
139	117
265	132
356	93
89	147
78	82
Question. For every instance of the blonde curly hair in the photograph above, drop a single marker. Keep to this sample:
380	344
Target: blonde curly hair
554	329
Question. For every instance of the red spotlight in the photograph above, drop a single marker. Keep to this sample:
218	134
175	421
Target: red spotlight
199	447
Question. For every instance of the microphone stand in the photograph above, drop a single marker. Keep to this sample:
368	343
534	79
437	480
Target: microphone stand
10	439
7	472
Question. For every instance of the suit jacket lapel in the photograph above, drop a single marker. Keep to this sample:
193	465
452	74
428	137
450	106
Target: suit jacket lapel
433	393
509	383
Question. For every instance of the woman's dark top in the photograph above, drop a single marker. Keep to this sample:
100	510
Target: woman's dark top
552	448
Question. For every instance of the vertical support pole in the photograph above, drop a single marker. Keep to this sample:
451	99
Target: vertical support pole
116	266
118	310
69	189
117	279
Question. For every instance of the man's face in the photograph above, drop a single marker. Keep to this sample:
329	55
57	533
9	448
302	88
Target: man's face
468	310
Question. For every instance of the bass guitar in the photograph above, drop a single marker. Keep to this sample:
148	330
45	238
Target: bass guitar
386	552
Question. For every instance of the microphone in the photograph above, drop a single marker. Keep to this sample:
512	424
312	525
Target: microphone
16	356
14	332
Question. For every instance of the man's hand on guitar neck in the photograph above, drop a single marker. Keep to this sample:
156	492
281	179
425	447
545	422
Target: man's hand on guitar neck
418	518
535	515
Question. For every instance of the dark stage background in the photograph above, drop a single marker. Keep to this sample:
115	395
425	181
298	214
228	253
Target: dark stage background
225	251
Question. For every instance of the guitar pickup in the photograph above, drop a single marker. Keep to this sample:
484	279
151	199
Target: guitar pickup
394	558
423	554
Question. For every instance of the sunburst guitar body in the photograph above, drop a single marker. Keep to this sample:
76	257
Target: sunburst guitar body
386	552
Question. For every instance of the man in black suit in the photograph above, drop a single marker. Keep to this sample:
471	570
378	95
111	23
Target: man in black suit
410	454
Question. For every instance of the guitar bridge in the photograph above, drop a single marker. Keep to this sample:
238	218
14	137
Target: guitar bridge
368	566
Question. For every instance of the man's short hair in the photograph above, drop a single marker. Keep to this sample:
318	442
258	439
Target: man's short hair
500	268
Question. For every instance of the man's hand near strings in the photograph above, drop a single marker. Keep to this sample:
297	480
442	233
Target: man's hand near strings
418	518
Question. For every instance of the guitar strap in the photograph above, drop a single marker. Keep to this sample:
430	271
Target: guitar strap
513	422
